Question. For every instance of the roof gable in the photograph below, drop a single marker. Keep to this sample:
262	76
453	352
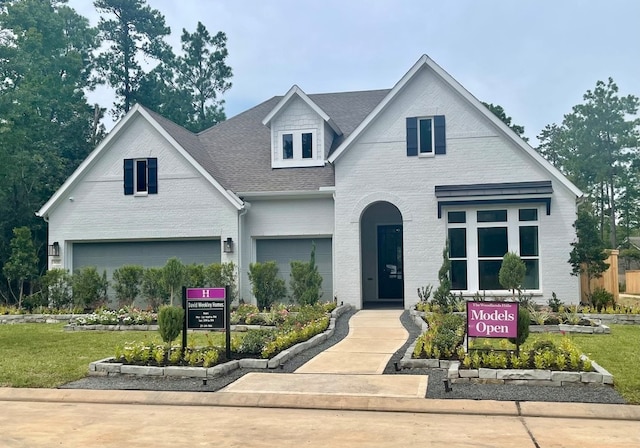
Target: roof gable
173	133
293	92
427	62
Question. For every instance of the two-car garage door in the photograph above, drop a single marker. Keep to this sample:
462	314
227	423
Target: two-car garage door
110	256
283	251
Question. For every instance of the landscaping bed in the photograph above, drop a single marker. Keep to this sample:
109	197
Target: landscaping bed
279	347
541	363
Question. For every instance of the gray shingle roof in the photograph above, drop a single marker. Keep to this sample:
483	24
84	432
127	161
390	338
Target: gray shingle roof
237	152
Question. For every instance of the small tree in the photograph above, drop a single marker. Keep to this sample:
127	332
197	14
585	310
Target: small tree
56	287
306	281
442	295
22	264
588	255
173	277
127	283
266	286
170	320
512	272
153	288
524	320
89	288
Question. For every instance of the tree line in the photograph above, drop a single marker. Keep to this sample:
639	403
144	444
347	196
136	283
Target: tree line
50	58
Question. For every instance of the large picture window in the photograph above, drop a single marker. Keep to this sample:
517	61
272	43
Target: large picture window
479	239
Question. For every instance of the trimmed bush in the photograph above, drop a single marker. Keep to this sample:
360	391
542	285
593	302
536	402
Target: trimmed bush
56	288
222	274
89	288
126	283
170	321
266	286
153	288
306	281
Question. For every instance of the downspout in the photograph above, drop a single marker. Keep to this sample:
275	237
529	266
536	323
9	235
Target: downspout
243	212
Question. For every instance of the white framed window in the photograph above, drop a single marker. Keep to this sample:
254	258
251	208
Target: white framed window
297	149
426	136
479	238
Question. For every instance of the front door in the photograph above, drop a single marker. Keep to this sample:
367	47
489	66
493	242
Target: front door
390	269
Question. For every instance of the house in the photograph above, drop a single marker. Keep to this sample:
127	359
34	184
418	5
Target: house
378	180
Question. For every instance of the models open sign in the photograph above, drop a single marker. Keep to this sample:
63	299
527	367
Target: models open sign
206	308
492	319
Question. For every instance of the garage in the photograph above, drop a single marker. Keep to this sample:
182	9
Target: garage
283	251
112	255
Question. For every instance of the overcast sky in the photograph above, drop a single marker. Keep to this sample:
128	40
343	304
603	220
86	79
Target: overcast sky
536	58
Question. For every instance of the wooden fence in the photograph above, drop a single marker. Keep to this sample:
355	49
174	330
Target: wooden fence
632	282
608	281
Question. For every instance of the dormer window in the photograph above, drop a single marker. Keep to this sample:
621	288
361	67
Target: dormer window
297	148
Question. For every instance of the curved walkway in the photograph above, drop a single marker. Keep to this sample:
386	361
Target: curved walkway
353	367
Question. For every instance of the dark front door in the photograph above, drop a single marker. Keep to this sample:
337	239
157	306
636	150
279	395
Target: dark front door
390	269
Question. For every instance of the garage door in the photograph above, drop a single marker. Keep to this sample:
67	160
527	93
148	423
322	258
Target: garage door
110	256
283	251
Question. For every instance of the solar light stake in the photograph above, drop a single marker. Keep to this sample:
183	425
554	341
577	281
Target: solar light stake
447	385
204	382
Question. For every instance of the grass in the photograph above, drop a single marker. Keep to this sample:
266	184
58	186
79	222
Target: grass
619	353
43	355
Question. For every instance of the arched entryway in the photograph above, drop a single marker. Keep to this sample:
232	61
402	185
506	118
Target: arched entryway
381	251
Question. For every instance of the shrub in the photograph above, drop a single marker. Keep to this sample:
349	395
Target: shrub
170	322
523	326
265	284
195	276
306	281
555	303
254	341
89	288
126	283
153	288
601	298
56	288
442	295
512	272
222	274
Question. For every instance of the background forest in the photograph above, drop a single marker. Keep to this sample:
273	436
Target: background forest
50	58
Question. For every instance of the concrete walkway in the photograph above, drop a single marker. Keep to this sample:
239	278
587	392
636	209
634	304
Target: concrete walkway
352	367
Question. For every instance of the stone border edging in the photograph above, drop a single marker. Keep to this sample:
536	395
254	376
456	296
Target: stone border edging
106	367
530	377
37	318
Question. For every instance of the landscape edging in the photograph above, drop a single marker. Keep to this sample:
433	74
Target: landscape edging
106	366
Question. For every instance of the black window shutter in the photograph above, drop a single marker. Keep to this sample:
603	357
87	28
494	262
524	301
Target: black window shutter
128	176
440	134
412	136
152	166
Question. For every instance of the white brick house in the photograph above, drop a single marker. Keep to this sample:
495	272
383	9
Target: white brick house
379	180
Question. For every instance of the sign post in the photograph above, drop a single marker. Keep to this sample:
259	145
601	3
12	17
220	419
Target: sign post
207	309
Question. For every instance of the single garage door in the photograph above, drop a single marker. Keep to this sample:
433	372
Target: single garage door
110	256
283	251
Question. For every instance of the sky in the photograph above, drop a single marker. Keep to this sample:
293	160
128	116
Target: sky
535	58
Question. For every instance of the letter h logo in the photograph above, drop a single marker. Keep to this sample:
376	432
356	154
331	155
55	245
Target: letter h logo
205	293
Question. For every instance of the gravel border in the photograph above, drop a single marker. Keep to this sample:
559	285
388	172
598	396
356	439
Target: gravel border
435	389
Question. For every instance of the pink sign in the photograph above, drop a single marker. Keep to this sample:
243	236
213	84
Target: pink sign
492	319
205	293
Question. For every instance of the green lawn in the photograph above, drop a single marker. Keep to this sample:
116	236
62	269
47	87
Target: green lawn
43	355
619	353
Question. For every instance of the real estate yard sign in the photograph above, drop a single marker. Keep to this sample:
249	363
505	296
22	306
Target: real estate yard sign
207	309
492	319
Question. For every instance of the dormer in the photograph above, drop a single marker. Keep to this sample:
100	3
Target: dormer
301	132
